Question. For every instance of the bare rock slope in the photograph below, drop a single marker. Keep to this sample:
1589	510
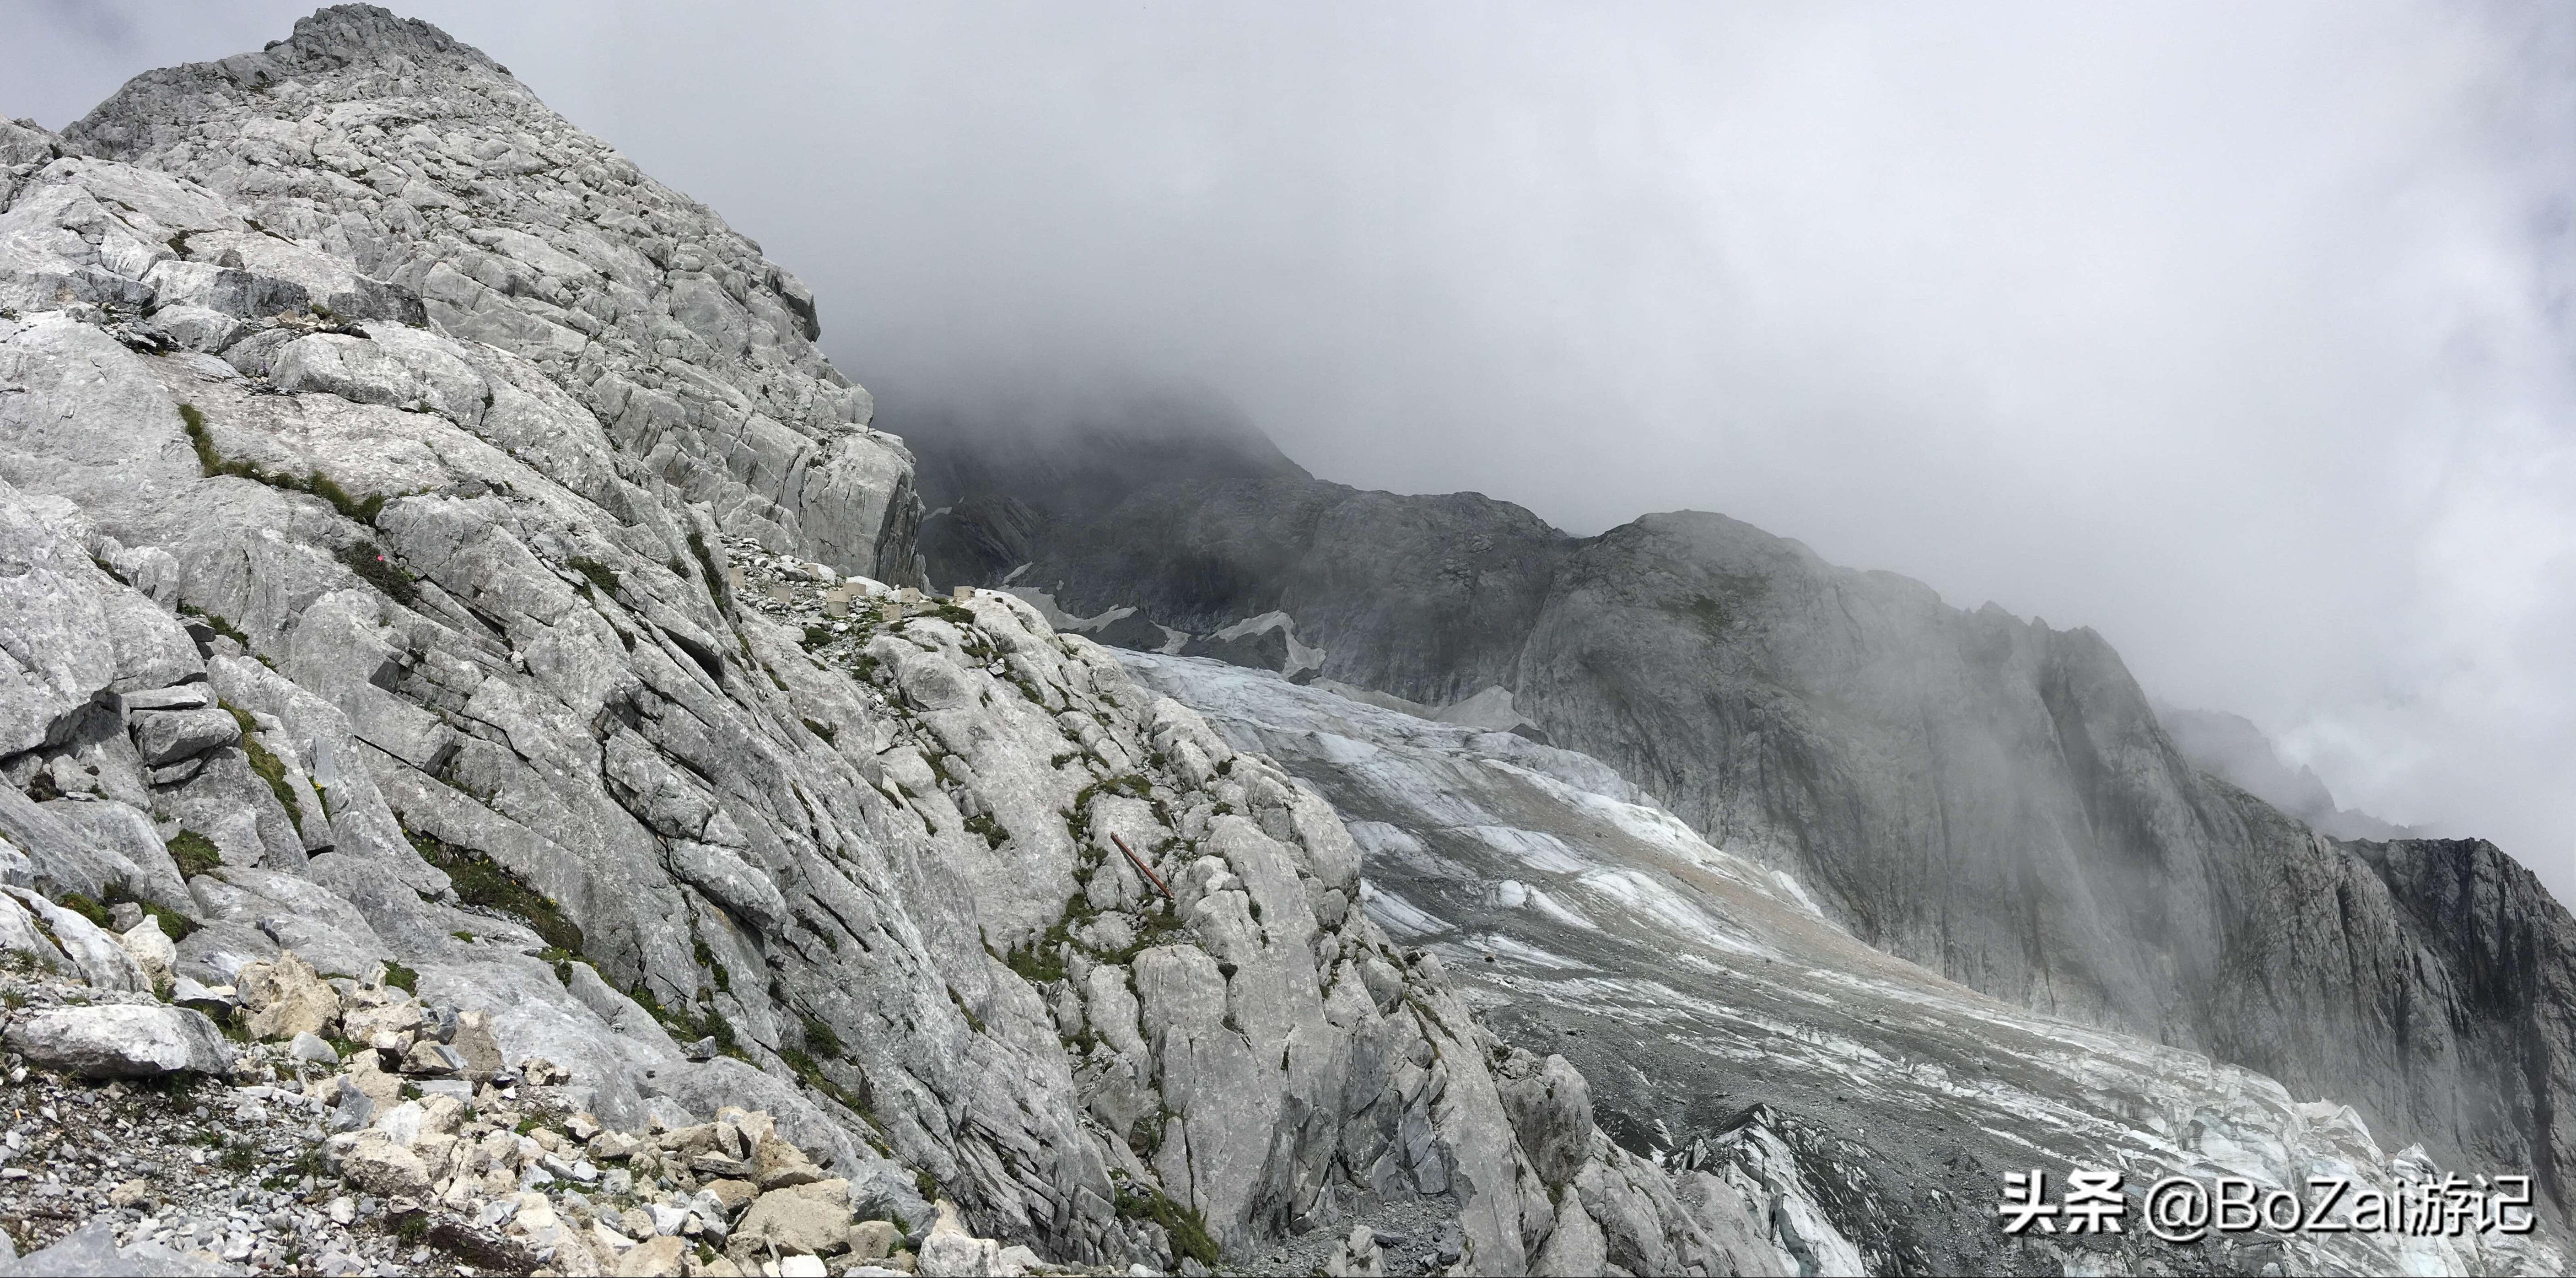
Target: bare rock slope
429	547
395	174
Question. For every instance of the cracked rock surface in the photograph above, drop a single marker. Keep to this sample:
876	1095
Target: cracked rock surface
454	617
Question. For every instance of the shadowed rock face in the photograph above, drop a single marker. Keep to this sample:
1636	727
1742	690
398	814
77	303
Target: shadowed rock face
1984	795
1000	487
1995	800
1973	792
1424	597
2510	953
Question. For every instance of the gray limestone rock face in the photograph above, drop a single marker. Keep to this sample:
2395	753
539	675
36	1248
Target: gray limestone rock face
168	736
501	596
435	196
120	1040
51	672
216	952
82	948
1551	1110
91	1252
114	842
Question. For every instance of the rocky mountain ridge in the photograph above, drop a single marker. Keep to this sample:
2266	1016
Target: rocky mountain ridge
1984	795
428	547
448	606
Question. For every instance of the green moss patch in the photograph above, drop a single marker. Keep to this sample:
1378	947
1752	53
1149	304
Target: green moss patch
270	768
1187	1228
195	854
1717	613
481	881
597	574
707	564
174	925
820	1038
378	569
212	463
994	834
217	624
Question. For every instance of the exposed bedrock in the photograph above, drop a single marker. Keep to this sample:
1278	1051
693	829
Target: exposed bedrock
1983	794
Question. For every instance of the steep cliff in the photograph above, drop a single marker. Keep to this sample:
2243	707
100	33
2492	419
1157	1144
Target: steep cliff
1996	800
1987	796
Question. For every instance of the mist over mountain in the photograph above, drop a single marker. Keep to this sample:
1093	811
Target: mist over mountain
2239	335
2232	747
1984	795
511	757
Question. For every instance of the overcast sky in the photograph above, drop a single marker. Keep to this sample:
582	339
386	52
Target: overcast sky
2242	333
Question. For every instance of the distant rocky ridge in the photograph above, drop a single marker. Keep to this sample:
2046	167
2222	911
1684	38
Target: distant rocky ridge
1002	482
2230	747
1987	796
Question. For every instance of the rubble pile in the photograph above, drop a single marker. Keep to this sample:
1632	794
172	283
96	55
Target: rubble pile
343	1126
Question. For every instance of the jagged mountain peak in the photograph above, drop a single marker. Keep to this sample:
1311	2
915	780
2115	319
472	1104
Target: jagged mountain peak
339	53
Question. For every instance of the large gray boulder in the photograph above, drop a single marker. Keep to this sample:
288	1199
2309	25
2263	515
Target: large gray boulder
171	735
119	1040
1551	1110
84	950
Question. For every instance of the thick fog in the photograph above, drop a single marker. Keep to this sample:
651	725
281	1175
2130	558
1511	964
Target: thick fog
2242	334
